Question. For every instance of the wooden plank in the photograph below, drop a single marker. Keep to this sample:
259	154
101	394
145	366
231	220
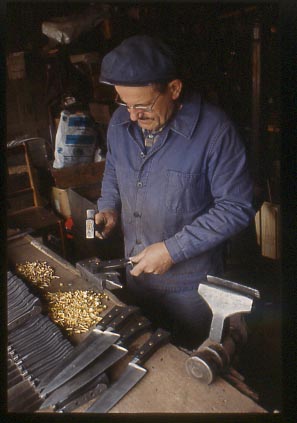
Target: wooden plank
32	176
270	230
167	388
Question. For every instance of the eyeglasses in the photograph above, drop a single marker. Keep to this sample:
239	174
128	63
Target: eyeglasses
138	107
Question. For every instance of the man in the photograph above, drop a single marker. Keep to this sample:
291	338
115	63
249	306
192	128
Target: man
176	174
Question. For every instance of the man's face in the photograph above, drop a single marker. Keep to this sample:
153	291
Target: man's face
163	105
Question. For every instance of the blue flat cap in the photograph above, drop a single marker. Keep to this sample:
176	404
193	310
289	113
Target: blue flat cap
138	61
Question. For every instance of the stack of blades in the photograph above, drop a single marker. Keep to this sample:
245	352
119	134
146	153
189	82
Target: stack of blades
22	304
35	346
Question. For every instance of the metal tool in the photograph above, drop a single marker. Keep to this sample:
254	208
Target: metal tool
131	375
114	353
91	390
83	398
103	273
102	337
230	300
78	396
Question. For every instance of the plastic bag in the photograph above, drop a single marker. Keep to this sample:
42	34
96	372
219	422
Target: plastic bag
76	140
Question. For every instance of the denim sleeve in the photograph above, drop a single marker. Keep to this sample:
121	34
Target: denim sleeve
232	192
110	197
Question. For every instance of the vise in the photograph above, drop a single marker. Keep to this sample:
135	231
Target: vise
102	274
228	301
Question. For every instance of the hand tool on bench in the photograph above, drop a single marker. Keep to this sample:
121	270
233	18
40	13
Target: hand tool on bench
99	339
103	273
131	375
226	299
131	330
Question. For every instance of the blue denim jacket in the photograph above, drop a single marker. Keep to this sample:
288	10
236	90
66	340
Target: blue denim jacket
192	190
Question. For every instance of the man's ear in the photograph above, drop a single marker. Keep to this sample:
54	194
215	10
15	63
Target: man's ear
175	87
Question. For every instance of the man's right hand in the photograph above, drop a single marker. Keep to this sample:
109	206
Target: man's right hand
105	222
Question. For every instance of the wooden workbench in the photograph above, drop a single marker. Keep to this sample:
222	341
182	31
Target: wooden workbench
166	388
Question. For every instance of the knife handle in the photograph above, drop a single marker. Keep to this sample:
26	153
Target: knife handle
110	316
158	338
134	329
120	320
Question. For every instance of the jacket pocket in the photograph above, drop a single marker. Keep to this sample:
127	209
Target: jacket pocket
185	192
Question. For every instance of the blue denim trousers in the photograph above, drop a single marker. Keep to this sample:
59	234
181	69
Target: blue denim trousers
184	313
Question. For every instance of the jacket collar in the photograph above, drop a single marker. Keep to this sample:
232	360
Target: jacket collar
183	123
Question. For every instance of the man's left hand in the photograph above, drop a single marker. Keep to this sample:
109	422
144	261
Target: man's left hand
153	259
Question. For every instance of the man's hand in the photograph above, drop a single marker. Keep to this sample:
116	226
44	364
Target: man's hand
106	221
153	259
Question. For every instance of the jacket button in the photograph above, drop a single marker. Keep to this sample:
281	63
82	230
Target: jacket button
138	241
142	155
136	214
139	184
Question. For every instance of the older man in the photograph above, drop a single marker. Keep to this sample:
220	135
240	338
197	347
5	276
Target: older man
177	176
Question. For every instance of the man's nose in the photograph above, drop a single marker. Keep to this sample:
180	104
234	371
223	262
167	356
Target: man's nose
135	114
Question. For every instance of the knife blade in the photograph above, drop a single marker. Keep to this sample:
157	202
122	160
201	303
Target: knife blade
93	345
131	375
114	353
95	265
91	391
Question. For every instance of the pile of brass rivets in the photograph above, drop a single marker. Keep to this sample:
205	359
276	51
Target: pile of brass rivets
76	311
37	272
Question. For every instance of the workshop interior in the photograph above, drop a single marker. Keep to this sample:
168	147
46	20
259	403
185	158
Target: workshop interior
75	343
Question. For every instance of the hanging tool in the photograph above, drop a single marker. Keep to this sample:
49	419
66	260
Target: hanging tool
226	299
